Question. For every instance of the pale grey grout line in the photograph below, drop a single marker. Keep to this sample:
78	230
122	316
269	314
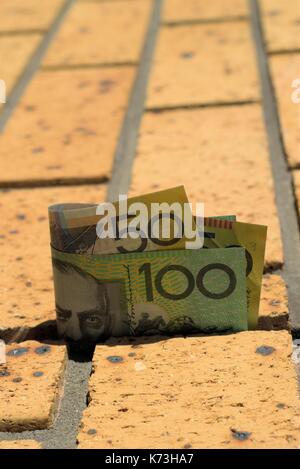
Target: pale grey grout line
126	148
32	66
281	175
64	433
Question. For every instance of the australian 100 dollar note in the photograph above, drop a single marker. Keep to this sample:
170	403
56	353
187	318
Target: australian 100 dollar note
73	227
153	292
227	233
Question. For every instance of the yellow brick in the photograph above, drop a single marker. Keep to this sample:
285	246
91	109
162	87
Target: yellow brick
15	52
203	64
281	21
221	157
194	392
20	444
285	70
107	1
99	33
67	125
17	15
175	11
26	294
296	178
30	385
274	312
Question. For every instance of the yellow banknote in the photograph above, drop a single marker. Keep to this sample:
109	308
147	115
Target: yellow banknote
225	233
74	228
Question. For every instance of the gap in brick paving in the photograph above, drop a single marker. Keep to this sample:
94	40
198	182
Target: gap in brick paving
24	32
126	148
199	21
190	107
59	68
284	52
58	182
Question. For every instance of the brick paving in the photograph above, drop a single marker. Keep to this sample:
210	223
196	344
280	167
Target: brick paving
30	385
178	77
20	444
36	16
152	399
15	52
139	95
105	33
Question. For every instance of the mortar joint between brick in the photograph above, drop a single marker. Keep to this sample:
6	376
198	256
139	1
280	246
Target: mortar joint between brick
199	22
128	137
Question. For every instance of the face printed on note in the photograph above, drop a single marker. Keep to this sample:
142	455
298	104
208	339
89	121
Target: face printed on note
84	306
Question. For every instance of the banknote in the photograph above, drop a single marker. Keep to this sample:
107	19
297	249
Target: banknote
73	226
151	292
224	232
225	217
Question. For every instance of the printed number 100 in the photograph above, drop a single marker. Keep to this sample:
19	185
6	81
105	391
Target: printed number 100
191	281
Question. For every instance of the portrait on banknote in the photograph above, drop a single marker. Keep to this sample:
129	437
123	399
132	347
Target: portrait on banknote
86	308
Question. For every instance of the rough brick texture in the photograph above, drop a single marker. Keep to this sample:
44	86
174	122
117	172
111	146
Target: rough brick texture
183	68
224	163
205	392
66	131
30	385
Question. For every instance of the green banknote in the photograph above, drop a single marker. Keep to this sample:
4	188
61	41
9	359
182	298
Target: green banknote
226	233
224	217
153	292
